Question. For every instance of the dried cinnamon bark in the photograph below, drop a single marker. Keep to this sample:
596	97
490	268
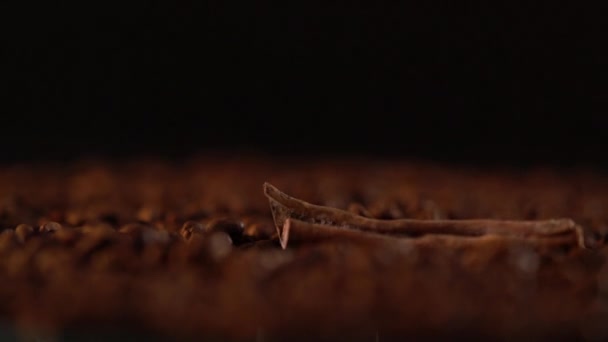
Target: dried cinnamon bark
296	231
284	207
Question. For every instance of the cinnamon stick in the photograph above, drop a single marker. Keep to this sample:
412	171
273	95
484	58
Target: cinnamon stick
296	231
284	207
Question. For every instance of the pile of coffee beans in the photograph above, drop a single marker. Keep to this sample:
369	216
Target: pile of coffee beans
189	250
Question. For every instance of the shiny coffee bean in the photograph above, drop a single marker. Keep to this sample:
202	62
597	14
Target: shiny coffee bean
231	227
50	227
24	232
191	227
219	245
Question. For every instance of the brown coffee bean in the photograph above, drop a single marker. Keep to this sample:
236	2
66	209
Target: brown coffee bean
133	233
98	229
231	227
219	245
155	236
134	230
191	227
258	231
148	214
95	238
50	227
7	240
67	236
24	232
74	218
207	248
193	250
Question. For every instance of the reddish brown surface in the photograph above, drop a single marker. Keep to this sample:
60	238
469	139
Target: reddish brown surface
121	259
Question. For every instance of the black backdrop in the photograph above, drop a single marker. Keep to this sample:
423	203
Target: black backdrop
512	82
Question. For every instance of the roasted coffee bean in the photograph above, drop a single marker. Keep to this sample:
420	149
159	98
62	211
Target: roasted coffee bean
231	227
67	236
219	245
74	218
210	247
258	231
195	247
155	236
50	227
96	238
148	214
139	234
24	232
8	240
191	227
99	229
134	230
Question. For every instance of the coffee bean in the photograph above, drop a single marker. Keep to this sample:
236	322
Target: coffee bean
134	230
98	229
148	214
191	227
259	231
219	245
7	240
50	227
95	238
24	232
67	236
74	218
155	236
231	227
195	247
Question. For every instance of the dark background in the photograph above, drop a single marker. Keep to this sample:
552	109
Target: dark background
517	82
